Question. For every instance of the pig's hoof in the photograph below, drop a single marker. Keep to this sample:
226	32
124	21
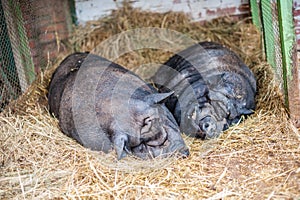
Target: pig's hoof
184	153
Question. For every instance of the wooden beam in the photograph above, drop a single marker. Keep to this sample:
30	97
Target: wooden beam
289	58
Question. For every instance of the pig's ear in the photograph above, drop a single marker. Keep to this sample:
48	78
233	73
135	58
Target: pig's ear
120	145
158	97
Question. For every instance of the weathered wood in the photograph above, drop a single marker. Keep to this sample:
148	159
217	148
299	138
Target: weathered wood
281	49
289	58
199	10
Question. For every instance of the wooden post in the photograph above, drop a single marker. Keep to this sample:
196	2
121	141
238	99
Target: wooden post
289	58
281	48
255	12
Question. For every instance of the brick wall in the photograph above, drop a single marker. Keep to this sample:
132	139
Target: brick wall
48	25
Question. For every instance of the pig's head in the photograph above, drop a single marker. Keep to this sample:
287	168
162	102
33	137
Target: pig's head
229	97
211	118
147	129
202	121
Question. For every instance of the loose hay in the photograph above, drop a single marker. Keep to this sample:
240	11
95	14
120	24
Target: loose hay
257	159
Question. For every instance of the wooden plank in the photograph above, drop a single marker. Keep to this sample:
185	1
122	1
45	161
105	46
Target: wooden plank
289	58
281	48
255	13
199	10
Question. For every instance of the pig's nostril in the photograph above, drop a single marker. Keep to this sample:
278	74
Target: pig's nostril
205	126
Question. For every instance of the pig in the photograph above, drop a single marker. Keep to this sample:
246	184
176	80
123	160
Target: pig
213	88
104	106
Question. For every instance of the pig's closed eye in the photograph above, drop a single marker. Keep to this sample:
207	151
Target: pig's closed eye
147	124
147	121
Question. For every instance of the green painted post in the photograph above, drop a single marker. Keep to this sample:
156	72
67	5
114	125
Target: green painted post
73	12
287	36
288	46
255	12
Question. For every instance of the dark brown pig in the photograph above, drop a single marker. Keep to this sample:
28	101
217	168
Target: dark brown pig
213	88
104	106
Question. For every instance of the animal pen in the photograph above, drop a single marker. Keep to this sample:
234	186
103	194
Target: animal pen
257	159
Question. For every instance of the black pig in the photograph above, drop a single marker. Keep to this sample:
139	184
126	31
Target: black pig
213	88
104	106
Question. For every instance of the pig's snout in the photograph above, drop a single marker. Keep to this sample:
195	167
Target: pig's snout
207	128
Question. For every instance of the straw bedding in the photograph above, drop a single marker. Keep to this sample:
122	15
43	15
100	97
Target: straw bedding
257	159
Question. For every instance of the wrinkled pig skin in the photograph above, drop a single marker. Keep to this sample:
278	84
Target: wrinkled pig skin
104	106
213	89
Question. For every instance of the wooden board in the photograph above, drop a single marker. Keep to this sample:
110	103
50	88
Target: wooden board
280	44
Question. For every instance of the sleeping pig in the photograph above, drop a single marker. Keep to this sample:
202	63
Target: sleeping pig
213	88
104	106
